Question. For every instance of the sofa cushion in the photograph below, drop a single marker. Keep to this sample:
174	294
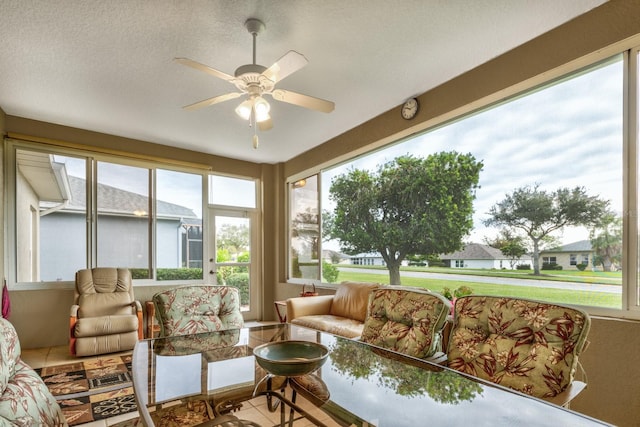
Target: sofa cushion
348	328
529	346
106	325
406	320
103	280
351	300
99	304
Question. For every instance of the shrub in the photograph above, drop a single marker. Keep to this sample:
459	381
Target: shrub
295	268
523	267
179	274
456	293
168	273
435	261
551	266
240	281
581	266
329	272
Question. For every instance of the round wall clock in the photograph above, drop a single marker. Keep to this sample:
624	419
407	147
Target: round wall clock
410	108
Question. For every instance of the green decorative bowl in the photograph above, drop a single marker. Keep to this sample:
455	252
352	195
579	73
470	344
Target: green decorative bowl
291	358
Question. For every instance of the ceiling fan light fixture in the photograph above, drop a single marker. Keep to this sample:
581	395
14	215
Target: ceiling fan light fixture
254	80
244	109
262	108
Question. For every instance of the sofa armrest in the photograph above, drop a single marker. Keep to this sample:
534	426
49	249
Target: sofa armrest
307	306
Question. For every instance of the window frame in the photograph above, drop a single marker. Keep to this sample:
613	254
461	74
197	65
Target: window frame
91	157
630	51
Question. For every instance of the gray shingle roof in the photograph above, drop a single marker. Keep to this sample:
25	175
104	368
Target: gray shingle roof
475	251
580	246
117	201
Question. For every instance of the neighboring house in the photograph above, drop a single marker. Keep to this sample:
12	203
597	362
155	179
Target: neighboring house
371	258
569	256
368	258
124	225
476	255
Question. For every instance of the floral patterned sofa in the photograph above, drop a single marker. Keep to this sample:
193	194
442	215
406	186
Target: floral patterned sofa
25	400
526	345
407	320
341	314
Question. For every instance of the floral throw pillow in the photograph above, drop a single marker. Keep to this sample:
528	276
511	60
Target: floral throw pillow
529	346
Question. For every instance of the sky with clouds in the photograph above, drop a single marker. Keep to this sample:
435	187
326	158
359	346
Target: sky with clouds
566	135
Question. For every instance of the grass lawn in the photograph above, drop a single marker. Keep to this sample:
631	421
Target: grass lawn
568	296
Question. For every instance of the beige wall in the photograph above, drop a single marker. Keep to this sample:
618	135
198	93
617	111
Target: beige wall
614	376
611	359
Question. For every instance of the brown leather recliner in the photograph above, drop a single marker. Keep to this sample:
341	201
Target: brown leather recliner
105	317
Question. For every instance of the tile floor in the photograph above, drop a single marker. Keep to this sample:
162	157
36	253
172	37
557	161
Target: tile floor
254	410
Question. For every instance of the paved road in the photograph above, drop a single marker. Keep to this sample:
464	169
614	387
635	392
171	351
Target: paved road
613	289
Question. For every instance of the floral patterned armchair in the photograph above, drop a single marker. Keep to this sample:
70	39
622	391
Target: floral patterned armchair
25	400
407	320
526	345
199	308
188	310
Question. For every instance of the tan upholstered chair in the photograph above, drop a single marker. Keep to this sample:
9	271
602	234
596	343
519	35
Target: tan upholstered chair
105	317
407	320
529	346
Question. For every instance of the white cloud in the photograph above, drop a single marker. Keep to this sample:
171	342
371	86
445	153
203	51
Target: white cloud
565	136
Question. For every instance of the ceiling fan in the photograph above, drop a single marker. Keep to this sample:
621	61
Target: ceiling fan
255	81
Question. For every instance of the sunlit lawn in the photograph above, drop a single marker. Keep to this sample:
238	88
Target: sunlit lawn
569	296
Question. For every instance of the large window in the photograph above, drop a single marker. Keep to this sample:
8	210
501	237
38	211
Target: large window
73	211
124	211
305	229
50	216
566	134
179	228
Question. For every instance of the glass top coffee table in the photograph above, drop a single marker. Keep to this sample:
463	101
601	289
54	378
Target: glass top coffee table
365	385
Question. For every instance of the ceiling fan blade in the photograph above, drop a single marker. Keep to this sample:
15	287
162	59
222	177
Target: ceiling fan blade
198	66
265	124
210	101
288	64
301	100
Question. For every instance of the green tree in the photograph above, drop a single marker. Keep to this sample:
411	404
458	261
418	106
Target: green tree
606	241
510	244
410	205
233	238
539	213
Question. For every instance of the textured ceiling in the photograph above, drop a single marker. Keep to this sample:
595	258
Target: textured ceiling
107	66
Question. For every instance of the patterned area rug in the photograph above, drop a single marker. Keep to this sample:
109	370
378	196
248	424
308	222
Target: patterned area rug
92	390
